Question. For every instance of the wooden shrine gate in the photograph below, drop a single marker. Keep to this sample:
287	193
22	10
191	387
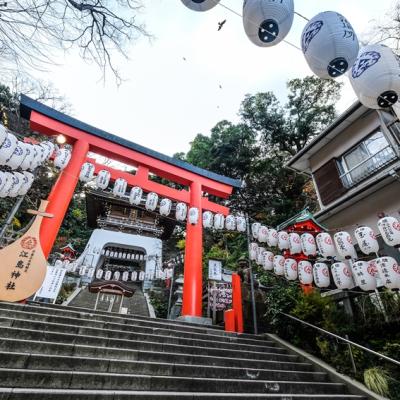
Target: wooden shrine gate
85	138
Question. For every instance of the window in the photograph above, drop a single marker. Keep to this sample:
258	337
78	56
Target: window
363	160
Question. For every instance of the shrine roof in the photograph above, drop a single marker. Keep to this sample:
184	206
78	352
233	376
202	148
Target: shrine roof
27	105
302	216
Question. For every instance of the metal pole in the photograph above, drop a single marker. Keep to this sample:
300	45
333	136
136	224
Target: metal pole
10	217
253	301
171	290
97	300
351	355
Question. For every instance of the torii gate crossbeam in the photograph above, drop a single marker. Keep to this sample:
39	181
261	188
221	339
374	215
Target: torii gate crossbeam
85	138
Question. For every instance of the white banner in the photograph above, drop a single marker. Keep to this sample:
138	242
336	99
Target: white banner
215	270
52	283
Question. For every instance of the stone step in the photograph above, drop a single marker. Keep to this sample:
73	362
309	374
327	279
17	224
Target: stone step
117	334
18	345
94	365
86	321
54	394
135	316
48	379
109	317
275	353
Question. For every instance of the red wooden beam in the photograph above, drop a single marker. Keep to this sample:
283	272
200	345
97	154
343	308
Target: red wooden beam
51	127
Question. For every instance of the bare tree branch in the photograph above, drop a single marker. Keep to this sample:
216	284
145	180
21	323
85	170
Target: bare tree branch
31	31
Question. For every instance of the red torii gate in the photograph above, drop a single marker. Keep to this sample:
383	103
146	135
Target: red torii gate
85	138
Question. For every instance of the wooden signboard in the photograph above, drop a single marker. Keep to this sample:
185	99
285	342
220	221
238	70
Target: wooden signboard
22	263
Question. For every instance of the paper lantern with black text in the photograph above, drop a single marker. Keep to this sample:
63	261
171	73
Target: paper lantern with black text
18	181
290	268
294	243
260	255
241	224
342	276
279	265
181	212
268	261
389	227
151	201
120	186
29	154
272	238
219	221
103	179
194	214
389	272
330	45
208	219
375	77
364	276
283	240
305	270
366	239
62	158
255	227
135	195
253	251
325	245
230	222
165	207
87	172
344	245
27	183
7	148
321	275
308	244
263	234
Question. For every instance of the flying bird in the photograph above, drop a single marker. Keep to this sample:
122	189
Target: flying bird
221	24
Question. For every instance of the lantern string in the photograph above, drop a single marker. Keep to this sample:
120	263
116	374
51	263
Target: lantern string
302	16
287	42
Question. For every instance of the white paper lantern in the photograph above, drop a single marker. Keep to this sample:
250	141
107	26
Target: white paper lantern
82	270
268	261
165	207
329	44
18	181
389	227
17	157
3	134
260	255
344	245
389	272
200	5
194	214
27	183
325	245
141	276
294	243
267	22
241	224
116	276
308	244
272	238
255	227
62	158
253	251
375	77
283	240
230	222
7	148
342	276
262	234
29	155
181	211
103	179
321	275
208	219
87	172
290	268
90	272
134	276
36	160
364	276
366	239
305	270
151	201
8	181
219	221
99	273
279	265
50	148
3	178
120	186
125	276
135	196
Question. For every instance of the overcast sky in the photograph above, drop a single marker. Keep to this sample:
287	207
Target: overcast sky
165	101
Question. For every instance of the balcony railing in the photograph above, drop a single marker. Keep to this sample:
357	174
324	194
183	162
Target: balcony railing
368	167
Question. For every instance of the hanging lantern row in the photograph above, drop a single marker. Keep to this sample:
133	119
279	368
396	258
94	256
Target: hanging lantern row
13	184
329	44
340	246
125	276
24	156
366	275
122	255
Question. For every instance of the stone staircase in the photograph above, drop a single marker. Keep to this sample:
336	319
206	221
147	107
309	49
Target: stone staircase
55	352
135	305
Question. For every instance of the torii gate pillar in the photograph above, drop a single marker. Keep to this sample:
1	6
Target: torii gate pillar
193	278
